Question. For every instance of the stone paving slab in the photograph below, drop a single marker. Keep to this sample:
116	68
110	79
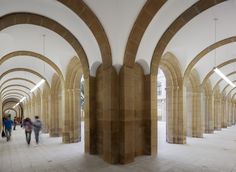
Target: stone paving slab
213	153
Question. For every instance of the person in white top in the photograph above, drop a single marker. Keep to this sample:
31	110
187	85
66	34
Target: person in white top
37	124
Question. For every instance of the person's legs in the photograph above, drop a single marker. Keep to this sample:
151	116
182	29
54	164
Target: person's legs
36	133
29	137
7	134
10	132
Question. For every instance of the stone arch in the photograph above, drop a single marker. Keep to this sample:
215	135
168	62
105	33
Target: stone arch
57	108
208	107
208	49
233	96
186	16
219	66
218	82
35	19
12	101
37	106
230	105
87	15
193	105
34	55
12	91
27	18
224	89
24	70
143	20
72	69
8	108
12	85
31	103
175	127
17	96
176	25
18	90
72	125
12	79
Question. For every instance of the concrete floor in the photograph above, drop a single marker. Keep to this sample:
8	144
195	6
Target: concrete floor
215	152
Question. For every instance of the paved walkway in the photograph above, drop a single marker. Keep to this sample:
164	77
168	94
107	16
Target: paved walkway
214	153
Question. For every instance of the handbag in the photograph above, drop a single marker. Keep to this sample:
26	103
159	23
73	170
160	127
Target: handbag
3	133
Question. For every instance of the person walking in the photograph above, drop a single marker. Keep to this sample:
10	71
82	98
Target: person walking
28	125
8	127
15	122
37	124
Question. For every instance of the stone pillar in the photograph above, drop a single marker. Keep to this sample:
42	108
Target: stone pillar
180	102
69	116
110	116
38	105
175	119
54	117
170	128
196	118
150	118
45	100
35	107
127	138
72	122
209	116
29	107
228	112
25	105
231	112
138	113
76	130
217	113
224	114
90	115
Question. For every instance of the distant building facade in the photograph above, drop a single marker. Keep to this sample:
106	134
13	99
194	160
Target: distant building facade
161	96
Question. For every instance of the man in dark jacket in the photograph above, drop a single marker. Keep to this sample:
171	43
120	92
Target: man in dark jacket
8	126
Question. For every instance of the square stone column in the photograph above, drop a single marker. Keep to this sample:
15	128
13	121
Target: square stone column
90	115
217	113
127	124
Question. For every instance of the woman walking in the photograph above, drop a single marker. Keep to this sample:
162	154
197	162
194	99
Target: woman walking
27	124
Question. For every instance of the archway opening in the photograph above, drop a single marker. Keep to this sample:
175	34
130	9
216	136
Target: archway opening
82	114
161	107
10	112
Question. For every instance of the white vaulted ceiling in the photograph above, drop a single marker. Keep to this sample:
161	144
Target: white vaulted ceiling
117	18
199	33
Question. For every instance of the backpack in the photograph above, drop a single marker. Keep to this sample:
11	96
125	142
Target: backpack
28	126
38	124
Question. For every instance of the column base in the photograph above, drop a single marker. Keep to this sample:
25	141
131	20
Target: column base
54	134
